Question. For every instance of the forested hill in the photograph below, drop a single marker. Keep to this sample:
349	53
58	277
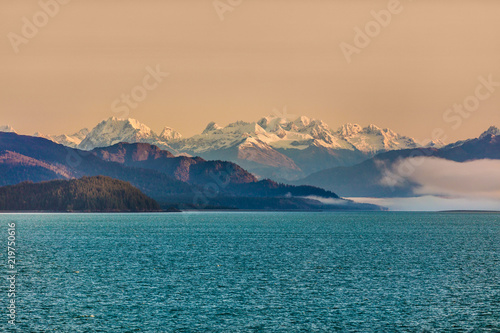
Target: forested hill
88	194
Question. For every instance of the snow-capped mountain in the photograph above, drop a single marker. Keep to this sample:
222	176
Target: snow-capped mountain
369	178
301	133
278	147
7	128
244	143
72	140
372	139
115	130
169	134
493	131
273	147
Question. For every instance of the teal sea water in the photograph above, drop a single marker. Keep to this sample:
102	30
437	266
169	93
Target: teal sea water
254	272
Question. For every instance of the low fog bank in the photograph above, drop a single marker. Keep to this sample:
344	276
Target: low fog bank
441	184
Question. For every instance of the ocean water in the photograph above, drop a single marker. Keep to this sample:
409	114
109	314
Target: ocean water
254	272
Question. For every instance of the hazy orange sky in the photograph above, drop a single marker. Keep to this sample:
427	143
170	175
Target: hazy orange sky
264	55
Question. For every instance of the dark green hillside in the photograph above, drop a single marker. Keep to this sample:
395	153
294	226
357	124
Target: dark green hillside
88	194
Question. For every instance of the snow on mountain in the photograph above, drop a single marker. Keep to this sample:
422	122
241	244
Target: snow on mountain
215	137
7	128
270	147
301	133
372	139
169	134
115	130
272	131
81	134
435	144
274	147
493	131
212	126
349	130
246	143
254	150
72	140
274	142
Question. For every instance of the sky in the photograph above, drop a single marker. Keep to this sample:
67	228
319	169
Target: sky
403	64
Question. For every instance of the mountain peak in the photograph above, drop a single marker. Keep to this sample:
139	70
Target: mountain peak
170	134
302	121
130	122
114	130
81	134
72	140
493	130
212	126
435	144
7	128
243	128
273	123
372	129
349	129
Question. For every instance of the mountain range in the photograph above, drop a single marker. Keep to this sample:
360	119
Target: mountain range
174	181
380	176
239	160
272	147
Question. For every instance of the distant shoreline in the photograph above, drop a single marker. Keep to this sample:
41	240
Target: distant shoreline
471	211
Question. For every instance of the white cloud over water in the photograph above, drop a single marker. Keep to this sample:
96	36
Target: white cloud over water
444	185
436	176
327	201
